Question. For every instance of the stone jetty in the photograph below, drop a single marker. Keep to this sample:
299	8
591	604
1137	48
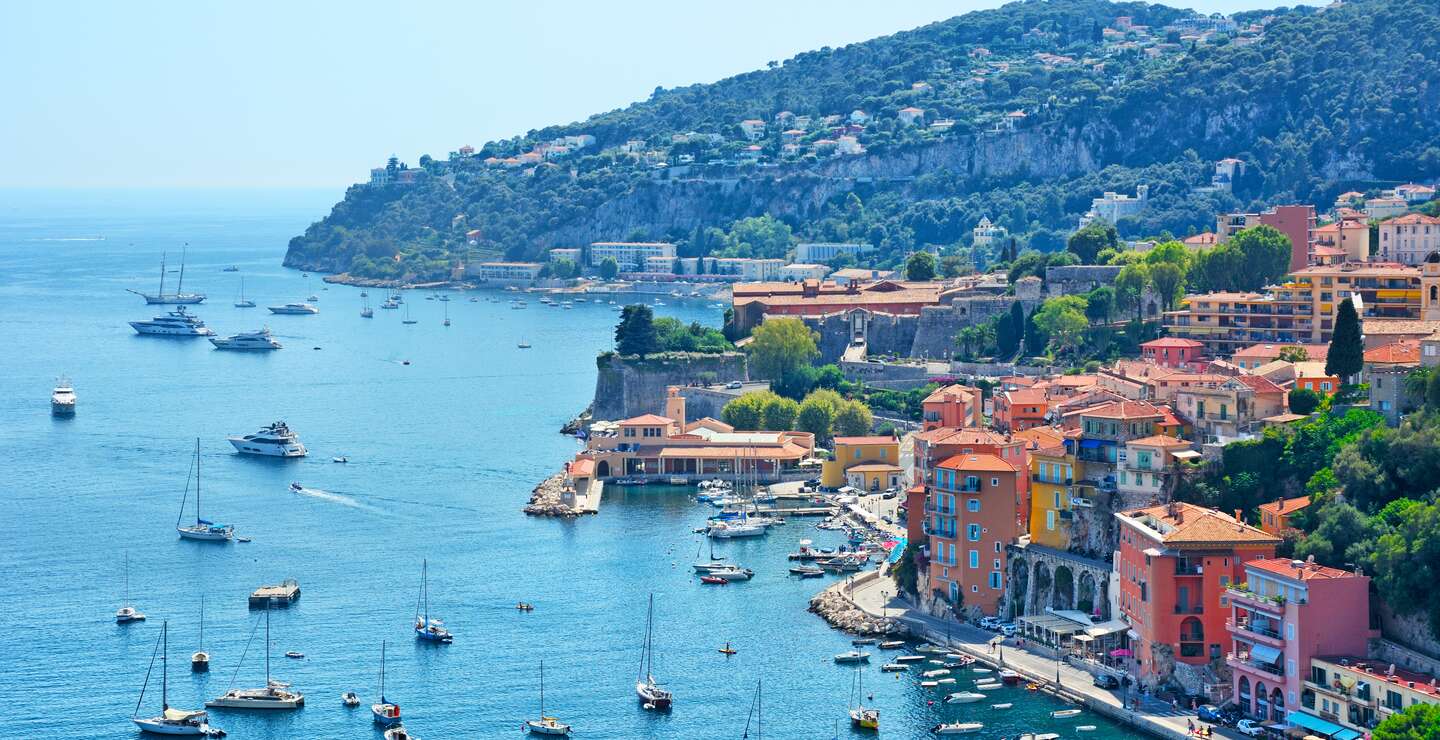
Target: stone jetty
548	499
841	613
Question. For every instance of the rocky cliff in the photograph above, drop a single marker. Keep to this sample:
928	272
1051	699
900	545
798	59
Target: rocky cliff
631	386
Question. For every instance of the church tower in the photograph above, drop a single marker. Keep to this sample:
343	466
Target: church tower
1430	288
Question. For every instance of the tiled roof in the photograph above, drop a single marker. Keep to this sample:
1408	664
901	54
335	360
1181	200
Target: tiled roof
965	436
646	420
956	389
980	462
1173	342
1027	397
1040	437
1372	327
1286	506
1123	410
1404	352
1412	218
1185	525
1305	571
876	440
1159	440
1259	384
1269	351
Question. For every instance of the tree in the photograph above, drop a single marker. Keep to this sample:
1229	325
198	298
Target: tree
779	346
1303	401
758	236
1415	722
635	334
1168	280
778	414
1010	330
1347	346
1063	320
1087	242
1294	354
747	413
920	266
1100	304
1265	256
1130	287
564	268
816	415
853	419
1035	338
609	268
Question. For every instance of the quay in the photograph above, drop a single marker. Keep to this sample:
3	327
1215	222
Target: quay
281	594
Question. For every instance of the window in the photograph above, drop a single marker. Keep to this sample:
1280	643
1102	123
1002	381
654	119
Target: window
882	453
996	566
1057	499
1325	386
995	579
1289	630
972	532
973	504
974	589
994	482
997	545
1050	520
974	558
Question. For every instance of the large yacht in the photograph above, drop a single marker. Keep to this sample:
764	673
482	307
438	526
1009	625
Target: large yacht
179	296
62	399
177	323
247	341
295	308
275	440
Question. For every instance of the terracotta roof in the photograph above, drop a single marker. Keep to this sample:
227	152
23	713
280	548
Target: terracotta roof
979	461
1306	571
647	420
873	468
1041	437
965	436
956	389
1076	381
1286	506
1270	351
876	440
1259	384
1183	525
1412	218
1159	440
1403	352
1123	410
1172	342
786	451
1310	369
1372	327
1027	397
581	468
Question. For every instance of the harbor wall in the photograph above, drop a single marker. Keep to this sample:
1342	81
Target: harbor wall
631	386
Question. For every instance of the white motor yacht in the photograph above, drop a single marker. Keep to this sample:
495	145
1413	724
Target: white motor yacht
62	399
276	440
248	341
177	323
296	309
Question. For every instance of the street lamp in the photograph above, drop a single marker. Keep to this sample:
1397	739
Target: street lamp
884	604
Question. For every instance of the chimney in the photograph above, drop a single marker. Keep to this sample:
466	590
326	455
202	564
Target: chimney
1279	504
1238	517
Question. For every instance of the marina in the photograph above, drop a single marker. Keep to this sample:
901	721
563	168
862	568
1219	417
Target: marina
438	470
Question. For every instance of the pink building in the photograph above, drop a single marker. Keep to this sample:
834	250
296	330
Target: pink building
1285	613
1172	351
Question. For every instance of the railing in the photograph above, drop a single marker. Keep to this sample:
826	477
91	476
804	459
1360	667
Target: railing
1243	661
1185	569
1194	609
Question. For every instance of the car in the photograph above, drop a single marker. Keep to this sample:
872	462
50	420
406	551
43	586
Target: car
887	520
1250	728
889	495
989	623
1106	681
732	385
1007	630
1210	713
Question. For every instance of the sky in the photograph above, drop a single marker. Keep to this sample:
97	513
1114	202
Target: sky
303	93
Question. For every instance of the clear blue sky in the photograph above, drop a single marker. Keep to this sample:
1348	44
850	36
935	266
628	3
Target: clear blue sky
302	93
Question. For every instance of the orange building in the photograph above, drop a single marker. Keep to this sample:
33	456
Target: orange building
954	406
970	519
1275	516
753	302
1021	408
1175	562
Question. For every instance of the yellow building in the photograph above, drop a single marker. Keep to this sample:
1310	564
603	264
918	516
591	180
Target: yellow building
1052	475
848	452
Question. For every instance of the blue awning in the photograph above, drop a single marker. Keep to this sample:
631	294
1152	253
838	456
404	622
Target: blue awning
1086	444
1315	724
1265	654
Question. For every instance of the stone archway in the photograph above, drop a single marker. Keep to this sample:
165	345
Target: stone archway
1062	596
1019	587
603	469
1085	593
1040	590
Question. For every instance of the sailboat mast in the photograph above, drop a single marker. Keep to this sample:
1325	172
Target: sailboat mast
197	481
127	578
542	689
267	644
165	665
180	284
202	621
161	294
382	671
425	586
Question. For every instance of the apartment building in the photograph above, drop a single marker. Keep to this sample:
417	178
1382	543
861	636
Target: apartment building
630	256
1346	696
1296	222
971	521
1148	466
1408	239
827	251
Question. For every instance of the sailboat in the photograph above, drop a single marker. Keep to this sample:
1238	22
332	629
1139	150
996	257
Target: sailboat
430	630
127	613
202	529
242	301
755	715
447	312
365	311
648	691
862	717
178	297
715	563
200	660
407	319
274	695
545	725
522	344
386	714
170	721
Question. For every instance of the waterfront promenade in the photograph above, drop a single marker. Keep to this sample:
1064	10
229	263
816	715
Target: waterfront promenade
877	596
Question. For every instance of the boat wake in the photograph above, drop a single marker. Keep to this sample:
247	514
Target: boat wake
330	496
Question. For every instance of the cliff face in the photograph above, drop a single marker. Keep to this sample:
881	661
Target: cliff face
630	386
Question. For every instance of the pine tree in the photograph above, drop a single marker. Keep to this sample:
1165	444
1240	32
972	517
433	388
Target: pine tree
1347	346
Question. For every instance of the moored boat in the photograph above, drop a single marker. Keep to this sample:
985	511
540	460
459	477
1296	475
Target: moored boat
852	656
273	695
202	530
647	690
62	398
957	728
964	697
275	440
294	309
171	721
426	628
384	713
545	725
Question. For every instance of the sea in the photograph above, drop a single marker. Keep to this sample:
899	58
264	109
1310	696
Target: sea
446	430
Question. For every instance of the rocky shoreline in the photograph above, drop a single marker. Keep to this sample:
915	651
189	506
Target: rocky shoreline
547	499
839	612
346	278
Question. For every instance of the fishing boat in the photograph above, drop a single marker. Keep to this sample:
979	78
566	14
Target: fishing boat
807	571
242	301
62	398
861	716
200	659
350	699
650	694
1063	713
957	728
892	644
170	721
894	668
426	628
964	697
127	613
202	530
179	297
385	713
1009	677
273	695
545	725
852	656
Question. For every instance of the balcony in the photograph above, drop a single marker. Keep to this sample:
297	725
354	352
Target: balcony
1243	662
1186	569
1252	600
1255	633
1191	609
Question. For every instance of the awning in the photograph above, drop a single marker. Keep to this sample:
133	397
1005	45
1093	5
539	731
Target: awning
1121	653
1265	654
1083	638
1186	454
1315	724
1107	628
1086	444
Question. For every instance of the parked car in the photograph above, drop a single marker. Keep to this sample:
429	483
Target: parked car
1007	630
887	520
1210	713
1106	681
989	623
732	385
1250	728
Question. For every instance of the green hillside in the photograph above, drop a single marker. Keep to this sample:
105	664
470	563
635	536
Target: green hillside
1114	95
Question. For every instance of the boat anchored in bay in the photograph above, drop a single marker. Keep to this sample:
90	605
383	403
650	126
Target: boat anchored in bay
546	725
274	695
247	341
427	629
62	399
651	695
202	530
177	323
275	440
193	722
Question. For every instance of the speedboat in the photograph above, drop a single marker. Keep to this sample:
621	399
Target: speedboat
894	667
957	728
1008	676
177	323
295	309
713	580
62	399
248	341
852	656
892	644
909	658
350	699
807	571
732	573
275	440
963	697
1062	713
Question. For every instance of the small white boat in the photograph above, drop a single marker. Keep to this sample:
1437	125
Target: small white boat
957	728
341	459
981	670
399	732
894	667
852	656
936	673
1085	728
546	725
892	644
929	684
987	685
350	699
909	658
62	399
1062	713
946	681
1006	705
733	573
295	309
964	697
295	655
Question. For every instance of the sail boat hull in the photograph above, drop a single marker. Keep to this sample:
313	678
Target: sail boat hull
386	715
548	726
656	697
200	662
270	698
183	299
158	726
203	533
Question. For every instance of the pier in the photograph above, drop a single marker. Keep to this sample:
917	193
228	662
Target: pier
280	594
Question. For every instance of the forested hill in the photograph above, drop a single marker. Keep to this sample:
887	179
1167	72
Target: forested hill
1021	114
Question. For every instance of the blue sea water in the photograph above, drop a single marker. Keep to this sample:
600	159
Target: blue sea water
443	453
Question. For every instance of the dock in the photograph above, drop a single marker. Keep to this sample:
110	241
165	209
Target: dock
796	510
588	492
281	594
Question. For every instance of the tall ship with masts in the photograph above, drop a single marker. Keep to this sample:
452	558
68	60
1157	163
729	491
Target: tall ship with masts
179	296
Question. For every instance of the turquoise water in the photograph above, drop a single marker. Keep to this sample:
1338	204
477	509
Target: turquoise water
443	453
